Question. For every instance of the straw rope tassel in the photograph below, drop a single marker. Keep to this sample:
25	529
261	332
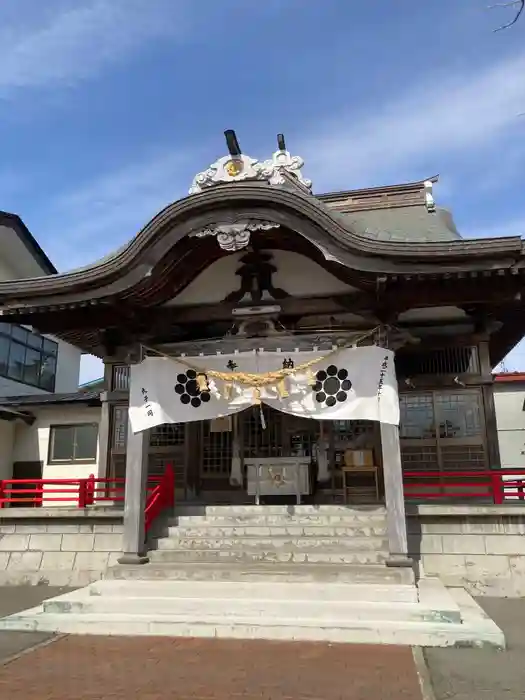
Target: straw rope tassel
202	382
281	388
254	380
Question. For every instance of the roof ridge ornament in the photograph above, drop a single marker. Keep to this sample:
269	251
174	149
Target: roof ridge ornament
429	196
238	167
232	237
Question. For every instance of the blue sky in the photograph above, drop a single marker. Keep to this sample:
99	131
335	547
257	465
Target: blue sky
108	108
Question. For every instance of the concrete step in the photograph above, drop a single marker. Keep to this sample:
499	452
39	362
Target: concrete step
277	530
237	590
262	571
286	510
422	634
284	555
434	628
279	544
261	610
268	520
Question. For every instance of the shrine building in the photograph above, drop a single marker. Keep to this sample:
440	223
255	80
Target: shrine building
251	260
276	346
320	364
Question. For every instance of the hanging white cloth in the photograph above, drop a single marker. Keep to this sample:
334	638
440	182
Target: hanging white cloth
347	384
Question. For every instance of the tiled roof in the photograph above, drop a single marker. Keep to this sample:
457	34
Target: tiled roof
403	224
509	377
95	384
86	397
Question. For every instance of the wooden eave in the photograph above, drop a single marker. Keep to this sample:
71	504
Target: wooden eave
492	294
296	211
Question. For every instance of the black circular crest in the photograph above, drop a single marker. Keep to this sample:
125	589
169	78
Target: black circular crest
331	386
187	389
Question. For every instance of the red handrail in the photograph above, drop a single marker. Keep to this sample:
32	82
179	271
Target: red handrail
79	492
87	492
160	498
499	485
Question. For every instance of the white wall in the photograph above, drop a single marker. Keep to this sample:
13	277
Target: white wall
16	261
509	398
7	436
32	441
295	274
68	368
6	273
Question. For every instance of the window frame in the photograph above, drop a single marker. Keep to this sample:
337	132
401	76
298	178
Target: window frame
439	442
50	449
48	350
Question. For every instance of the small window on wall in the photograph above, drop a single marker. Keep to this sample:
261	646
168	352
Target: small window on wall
73	443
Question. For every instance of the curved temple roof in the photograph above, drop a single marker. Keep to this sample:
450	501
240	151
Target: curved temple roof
340	237
366	238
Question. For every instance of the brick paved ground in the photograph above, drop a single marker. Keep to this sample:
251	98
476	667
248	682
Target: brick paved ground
153	668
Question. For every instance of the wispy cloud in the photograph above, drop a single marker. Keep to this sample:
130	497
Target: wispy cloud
441	119
512	227
447	120
103	214
66	42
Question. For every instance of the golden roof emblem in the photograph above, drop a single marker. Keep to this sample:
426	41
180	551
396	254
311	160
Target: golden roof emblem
234	167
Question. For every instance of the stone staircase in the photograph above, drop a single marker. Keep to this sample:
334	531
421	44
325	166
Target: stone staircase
269	572
275	534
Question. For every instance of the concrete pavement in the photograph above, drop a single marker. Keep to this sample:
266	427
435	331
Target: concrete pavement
484	674
15	599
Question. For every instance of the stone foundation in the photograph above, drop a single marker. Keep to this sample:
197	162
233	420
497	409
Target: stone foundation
57	546
481	548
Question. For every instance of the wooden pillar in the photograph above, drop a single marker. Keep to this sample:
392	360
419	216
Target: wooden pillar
104	436
134	538
491	426
394	496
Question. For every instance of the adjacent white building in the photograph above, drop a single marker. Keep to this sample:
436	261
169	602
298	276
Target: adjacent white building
48	429
509	398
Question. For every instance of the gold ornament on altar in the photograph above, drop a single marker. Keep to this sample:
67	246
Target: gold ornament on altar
277	478
234	167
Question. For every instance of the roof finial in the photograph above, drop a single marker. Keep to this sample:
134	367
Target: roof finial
429	197
232	143
237	167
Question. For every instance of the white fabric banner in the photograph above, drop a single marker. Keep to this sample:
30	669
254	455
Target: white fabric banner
347	384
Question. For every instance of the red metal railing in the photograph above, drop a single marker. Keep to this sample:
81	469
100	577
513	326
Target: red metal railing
160	497
79	492
87	492
496	485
